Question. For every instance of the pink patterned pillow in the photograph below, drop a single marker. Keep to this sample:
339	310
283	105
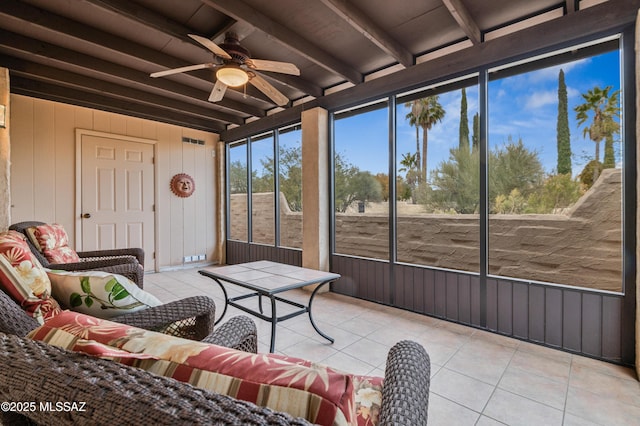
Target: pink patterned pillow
24	279
53	242
303	389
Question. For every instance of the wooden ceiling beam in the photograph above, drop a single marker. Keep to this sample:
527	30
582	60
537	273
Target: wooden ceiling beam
35	71
552	34
53	92
161	23
91	65
372	31
462	16
33	16
241	11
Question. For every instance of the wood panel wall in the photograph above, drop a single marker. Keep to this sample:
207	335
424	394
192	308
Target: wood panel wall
43	173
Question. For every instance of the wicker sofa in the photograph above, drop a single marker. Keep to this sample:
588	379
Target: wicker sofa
110	393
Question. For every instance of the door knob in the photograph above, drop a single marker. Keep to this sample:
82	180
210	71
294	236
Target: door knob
86	215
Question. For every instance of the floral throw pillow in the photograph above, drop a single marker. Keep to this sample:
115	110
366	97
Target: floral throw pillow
53	242
99	294
24	279
301	388
368	399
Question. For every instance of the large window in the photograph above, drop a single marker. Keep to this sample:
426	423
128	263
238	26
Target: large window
259	152
290	183
361	181
238	186
262	189
437	184
555	169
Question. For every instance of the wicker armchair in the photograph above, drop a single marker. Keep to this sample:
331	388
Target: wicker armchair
114	393
128	262
190	318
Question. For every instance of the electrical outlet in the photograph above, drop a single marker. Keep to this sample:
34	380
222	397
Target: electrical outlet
186	259
202	257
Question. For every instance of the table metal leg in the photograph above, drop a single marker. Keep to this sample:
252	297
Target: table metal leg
274	322
226	301
331	339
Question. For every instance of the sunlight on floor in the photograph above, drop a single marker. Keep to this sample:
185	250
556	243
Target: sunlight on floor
478	378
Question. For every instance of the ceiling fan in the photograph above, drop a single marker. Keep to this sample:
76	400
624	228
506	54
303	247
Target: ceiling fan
235	67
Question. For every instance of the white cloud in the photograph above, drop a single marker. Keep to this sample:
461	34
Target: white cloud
541	99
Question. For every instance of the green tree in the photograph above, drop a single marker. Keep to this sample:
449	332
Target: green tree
602	109
456	184
609	161
425	113
464	121
352	184
383	179
413	117
411	167
558	192
238	177
562	128
514	167
475	138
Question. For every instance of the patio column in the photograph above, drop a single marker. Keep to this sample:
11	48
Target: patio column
5	190
315	189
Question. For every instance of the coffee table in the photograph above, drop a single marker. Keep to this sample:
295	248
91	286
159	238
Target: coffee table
267	279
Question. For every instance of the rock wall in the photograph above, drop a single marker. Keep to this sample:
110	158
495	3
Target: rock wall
580	248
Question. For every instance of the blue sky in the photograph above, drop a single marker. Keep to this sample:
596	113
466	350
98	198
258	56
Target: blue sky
522	106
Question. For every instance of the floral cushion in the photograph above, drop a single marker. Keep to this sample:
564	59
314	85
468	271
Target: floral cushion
53	242
368	399
303	389
24	279
99	293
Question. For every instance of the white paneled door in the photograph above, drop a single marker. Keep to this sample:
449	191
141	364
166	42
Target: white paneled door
117	194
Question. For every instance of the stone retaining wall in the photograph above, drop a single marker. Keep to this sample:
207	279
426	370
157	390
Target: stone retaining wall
579	248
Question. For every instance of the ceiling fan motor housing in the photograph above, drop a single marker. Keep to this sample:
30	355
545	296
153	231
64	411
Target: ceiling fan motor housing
232	46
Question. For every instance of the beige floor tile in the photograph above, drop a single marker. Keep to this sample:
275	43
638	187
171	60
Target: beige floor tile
461	389
486	369
347	363
534	383
516	410
624	390
443	412
488	421
545	366
600	409
535	387
371	352
311	350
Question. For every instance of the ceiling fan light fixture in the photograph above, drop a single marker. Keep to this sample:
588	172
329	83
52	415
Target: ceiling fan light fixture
232	76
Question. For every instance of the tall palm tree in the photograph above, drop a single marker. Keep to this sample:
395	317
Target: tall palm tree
604	109
412	116
411	165
425	112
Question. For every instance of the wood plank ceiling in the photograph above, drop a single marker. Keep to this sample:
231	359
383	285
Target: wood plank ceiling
99	53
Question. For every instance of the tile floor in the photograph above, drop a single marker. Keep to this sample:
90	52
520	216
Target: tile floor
478	378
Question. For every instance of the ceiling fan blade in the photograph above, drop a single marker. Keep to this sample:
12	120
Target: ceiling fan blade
218	91
274	66
266	88
181	69
210	45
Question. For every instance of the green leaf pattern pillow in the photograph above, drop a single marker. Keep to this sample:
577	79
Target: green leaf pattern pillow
99	294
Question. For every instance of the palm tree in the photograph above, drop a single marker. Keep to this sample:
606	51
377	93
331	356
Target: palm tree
604	109
412	116
425	113
411	165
